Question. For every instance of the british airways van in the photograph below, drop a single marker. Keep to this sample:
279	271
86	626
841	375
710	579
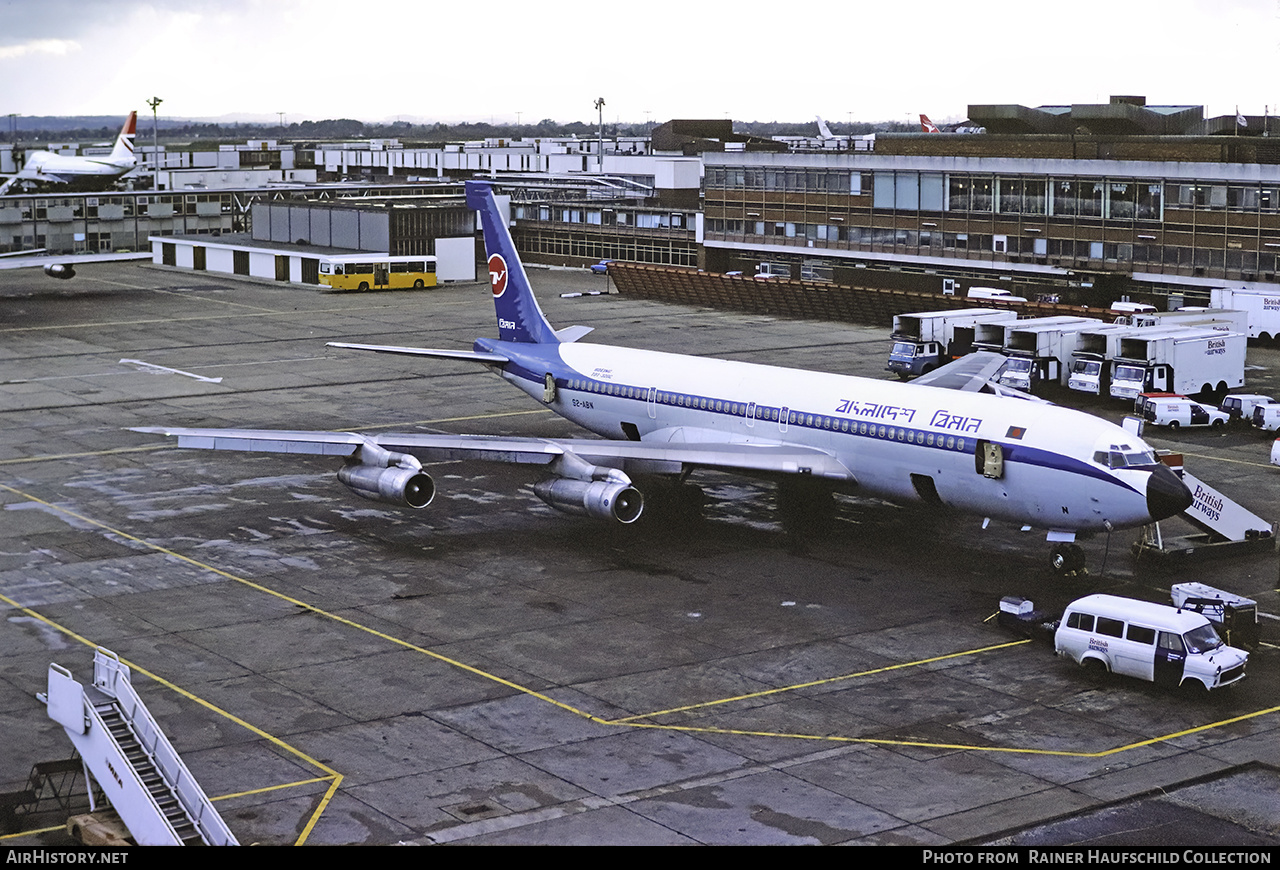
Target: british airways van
1149	641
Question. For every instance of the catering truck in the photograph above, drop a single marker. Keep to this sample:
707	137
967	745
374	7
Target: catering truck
1040	352
928	339
995	336
1090	370
1188	360
1261	308
1223	320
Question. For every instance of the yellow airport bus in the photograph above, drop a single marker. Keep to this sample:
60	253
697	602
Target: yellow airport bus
377	272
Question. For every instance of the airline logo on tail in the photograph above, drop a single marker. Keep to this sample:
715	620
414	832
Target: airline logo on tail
927	126
122	154
498	275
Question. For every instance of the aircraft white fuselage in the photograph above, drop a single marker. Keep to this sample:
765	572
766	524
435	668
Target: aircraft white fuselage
45	165
883	432
49	168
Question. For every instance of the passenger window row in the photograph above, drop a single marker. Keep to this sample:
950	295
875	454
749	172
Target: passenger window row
1117	628
762	412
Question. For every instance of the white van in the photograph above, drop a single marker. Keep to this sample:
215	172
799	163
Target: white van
1183	412
994	293
1267	417
1240	406
1149	641
1124	306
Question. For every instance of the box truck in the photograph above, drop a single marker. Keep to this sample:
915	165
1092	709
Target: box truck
1186	360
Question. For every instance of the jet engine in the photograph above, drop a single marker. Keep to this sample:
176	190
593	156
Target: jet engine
394	478
60	270
602	499
590	490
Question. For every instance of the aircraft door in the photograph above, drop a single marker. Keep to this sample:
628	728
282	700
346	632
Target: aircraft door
782	420
652	403
751	415
1171	659
988	459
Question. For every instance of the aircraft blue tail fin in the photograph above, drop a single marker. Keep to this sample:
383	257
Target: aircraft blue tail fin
519	317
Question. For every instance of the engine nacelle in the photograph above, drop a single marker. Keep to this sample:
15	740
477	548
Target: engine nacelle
60	270
602	499
408	487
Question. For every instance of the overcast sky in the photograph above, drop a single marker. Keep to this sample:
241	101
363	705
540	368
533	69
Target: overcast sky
483	60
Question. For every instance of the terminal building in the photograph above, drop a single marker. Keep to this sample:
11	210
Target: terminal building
1122	198
1084	202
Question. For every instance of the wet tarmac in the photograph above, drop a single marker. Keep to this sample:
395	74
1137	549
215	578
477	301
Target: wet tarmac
488	670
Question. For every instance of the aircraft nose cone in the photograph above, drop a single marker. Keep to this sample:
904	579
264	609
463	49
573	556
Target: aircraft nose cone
1166	494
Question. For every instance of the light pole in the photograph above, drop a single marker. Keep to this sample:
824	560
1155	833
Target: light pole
154	103
600	109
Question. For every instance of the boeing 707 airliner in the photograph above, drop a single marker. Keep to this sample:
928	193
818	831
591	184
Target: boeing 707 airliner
949	439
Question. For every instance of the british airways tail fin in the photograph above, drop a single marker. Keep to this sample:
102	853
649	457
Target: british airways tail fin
519	317
122	153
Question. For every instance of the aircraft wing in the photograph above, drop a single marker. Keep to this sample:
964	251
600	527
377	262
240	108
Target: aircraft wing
974	373
970	373
654	457
23	261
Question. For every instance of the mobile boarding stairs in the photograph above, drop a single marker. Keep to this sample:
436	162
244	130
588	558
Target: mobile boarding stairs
1227	525
132	761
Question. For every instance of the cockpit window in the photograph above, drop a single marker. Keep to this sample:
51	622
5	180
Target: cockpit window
1124	456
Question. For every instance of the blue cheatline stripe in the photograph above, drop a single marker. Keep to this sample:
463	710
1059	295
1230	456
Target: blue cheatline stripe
1014	452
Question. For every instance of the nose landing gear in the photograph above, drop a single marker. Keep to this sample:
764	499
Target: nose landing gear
1067	559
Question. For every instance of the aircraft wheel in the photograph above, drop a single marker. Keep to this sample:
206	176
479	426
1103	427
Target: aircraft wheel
1066	558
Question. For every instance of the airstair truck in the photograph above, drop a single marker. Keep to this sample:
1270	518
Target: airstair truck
1040	352
928	339
1091	360
1186	360
1262	309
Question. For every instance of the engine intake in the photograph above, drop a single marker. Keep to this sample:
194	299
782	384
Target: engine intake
602	499
393	478
60	270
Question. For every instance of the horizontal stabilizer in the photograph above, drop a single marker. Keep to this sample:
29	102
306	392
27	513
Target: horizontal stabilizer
466	355
573	333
